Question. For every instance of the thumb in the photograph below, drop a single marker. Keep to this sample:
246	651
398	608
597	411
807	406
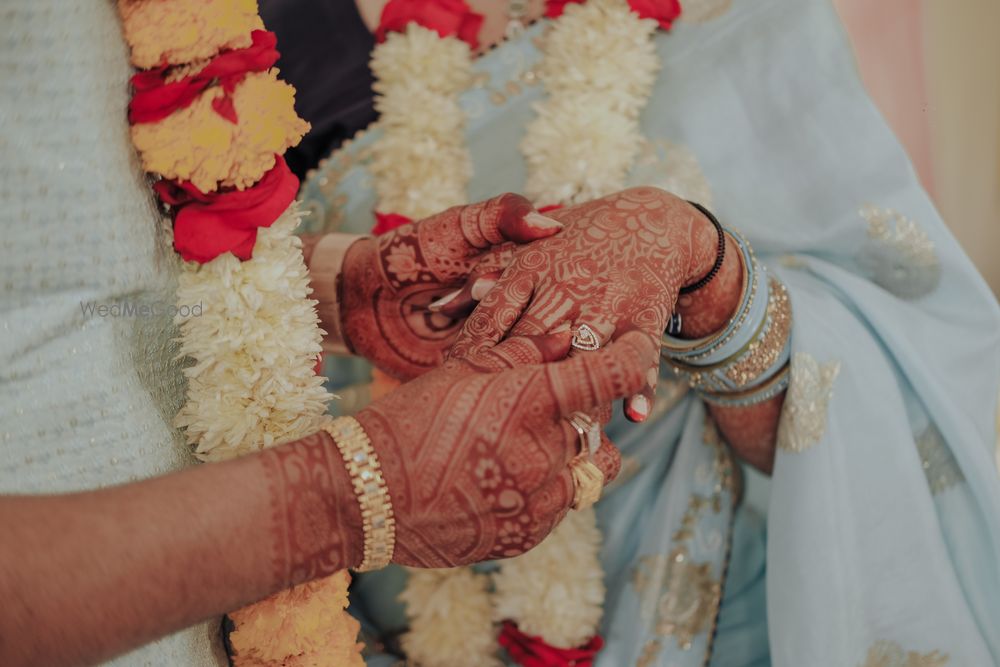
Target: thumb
510	217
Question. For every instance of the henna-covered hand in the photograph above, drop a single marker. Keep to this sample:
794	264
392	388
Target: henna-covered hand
619	263
387	283
476	453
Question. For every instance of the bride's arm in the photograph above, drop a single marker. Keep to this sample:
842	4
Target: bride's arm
750	431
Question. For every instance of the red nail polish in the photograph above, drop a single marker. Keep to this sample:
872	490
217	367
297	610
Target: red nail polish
637	409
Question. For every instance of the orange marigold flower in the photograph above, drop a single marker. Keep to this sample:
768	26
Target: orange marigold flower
196	144
182	31
305	626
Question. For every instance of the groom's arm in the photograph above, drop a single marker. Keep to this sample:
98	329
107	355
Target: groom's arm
86	576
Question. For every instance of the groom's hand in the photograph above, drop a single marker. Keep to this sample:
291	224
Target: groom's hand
476	453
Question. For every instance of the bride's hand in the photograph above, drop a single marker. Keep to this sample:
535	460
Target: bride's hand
476	453
619	263
387	282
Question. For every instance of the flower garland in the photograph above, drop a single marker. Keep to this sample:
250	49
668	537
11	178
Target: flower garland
586	135
599	66
420	163
210	119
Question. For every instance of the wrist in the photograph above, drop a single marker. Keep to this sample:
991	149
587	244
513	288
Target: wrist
316	521
709	308
327	259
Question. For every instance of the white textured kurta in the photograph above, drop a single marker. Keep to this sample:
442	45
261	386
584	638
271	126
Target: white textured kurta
85	401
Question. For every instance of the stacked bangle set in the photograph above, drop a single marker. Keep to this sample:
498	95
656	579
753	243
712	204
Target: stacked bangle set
745	362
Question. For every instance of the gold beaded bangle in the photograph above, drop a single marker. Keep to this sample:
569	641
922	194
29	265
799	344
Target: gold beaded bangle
377	519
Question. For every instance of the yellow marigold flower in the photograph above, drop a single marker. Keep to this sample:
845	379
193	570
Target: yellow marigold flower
197	144
305	626
181	31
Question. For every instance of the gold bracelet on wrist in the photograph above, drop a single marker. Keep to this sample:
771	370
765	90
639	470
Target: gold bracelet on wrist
377	519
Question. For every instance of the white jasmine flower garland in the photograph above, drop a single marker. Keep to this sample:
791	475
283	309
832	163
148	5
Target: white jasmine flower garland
255	347
556	591
451	619
420	162
598	67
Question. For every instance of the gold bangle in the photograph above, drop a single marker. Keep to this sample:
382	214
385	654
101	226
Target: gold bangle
378	522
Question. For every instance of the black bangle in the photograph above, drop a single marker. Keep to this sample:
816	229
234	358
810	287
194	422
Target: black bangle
720	255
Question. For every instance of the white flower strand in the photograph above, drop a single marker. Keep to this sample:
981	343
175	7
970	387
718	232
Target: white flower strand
420	162
556	590
451	619
254	348
598	67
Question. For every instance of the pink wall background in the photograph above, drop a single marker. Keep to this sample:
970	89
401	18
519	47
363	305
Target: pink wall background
888	41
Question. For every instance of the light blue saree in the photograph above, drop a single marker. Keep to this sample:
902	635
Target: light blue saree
882	516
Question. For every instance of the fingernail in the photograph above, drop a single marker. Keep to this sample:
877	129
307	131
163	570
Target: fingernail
638	408
444	301
652	377
481	287
539	221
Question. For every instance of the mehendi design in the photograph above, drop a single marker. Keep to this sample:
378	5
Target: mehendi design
618	265
311	510
388	283
476	453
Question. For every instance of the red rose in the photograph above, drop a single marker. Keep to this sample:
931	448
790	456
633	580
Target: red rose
209	225
554	8
446	17
386	222
664	11
529	651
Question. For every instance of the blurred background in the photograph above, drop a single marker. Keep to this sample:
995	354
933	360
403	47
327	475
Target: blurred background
933	68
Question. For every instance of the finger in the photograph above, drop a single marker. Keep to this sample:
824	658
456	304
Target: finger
551	308
523	351
461	302
497	258
466	231
508	217
608	459
497	312
591	329
588	380
639	406
446	244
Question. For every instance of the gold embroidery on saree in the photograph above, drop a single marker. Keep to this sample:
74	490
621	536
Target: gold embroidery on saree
679	597
937	460
900	256
804	415
885	653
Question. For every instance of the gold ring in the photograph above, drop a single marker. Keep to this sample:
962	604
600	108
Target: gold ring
588	482
589	432
586	339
